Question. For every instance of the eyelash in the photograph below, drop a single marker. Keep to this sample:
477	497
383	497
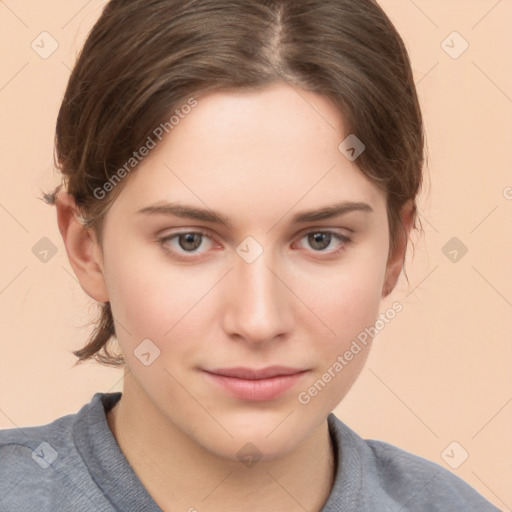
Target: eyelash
164	240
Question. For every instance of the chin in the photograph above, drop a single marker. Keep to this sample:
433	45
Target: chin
270	434
255	448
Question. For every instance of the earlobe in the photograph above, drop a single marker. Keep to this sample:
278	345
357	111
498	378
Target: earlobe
396	260
82	248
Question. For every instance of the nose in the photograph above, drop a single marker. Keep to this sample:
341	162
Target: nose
259	306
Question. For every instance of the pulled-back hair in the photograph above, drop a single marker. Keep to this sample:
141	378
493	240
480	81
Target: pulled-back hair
144	59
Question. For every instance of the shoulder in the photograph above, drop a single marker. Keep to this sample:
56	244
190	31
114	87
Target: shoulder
40	464
27	458
394	476
33	445
27	450
398	469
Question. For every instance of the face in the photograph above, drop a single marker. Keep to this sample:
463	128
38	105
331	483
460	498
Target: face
229	314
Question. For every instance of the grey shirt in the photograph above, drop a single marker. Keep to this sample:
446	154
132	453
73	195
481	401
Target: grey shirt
75	464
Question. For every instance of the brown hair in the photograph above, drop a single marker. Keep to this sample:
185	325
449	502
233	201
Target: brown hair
145	58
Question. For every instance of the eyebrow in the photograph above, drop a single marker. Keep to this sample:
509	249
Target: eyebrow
206	215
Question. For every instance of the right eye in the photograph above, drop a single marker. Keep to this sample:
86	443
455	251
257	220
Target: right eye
184	244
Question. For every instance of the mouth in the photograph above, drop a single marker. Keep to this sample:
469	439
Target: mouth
256	385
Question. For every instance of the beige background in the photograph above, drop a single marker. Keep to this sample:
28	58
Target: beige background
440	372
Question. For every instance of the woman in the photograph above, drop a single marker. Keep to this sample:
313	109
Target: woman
240	183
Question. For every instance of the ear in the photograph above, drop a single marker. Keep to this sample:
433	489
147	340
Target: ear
82	248
396	259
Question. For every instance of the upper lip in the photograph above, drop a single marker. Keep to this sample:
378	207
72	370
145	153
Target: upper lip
240	372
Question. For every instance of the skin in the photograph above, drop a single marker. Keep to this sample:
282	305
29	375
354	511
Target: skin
257	158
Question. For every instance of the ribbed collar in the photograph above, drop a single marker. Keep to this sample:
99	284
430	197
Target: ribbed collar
108	466
113	474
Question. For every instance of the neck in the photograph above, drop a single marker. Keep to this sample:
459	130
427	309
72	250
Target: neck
180	474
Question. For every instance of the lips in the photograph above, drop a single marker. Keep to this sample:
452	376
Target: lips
256	385
253	374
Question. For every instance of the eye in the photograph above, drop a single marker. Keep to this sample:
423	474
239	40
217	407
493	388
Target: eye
321	240
185	242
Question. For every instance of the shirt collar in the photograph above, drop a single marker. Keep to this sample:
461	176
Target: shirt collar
113	474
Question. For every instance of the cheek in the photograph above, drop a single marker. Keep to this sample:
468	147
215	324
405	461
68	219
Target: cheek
348	306
348	303
148	295
349	300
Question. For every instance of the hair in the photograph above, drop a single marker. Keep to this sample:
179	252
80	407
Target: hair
145	58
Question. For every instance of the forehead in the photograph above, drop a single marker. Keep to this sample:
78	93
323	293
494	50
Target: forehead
240	151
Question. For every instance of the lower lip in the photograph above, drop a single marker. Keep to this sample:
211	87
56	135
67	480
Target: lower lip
257	390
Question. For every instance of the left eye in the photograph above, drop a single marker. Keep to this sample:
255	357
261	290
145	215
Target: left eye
320	240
